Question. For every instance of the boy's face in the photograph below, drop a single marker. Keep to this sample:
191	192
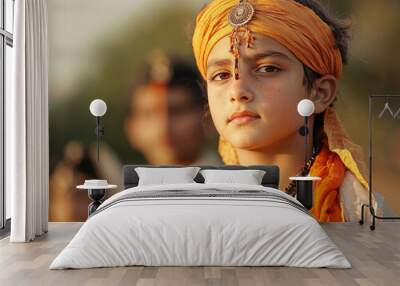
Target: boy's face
269	87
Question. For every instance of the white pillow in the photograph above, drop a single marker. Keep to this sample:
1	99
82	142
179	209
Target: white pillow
248	177
162	176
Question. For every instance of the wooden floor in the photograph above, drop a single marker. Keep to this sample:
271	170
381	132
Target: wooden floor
374	255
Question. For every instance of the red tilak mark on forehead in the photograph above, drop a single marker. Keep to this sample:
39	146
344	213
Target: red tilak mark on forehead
236	70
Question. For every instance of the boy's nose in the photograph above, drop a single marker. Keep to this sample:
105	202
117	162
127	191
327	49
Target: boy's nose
239	92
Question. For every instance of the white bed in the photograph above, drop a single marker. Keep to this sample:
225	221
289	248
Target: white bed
223	225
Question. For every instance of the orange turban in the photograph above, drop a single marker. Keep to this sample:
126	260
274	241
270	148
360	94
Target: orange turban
291	24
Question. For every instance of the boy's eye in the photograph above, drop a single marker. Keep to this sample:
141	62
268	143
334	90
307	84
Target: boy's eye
221	76
268	69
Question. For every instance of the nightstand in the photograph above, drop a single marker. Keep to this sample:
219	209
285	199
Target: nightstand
96	191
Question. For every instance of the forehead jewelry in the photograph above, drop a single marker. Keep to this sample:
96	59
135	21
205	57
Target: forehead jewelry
239	17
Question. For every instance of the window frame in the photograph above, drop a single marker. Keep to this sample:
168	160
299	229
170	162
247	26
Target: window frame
6	39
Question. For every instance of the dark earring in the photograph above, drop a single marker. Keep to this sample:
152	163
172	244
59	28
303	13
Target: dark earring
303	130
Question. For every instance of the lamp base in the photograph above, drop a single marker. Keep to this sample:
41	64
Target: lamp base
305	193
304	190
96	195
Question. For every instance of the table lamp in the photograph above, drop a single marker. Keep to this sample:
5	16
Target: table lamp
97	188
304	183
305	108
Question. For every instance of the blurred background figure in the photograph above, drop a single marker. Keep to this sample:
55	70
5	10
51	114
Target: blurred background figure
66	203
166	120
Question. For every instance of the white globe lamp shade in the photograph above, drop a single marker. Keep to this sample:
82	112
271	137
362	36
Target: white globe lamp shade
306	108
98	107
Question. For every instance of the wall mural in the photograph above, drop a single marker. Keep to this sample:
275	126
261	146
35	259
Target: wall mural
138	58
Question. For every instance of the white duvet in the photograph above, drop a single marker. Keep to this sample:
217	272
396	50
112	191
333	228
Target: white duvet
203	231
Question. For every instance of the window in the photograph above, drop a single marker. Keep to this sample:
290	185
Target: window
6	56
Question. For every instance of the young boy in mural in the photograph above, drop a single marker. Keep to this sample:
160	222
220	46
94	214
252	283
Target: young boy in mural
259	59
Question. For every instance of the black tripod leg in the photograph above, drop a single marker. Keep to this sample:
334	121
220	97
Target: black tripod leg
362	214
372	227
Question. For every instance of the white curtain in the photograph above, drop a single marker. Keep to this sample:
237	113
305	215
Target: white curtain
27	143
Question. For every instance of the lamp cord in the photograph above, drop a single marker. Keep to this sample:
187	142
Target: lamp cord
98	134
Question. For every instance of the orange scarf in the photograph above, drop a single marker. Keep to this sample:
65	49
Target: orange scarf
337	155
328	166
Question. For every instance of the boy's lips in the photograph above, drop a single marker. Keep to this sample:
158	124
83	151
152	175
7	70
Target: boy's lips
243	117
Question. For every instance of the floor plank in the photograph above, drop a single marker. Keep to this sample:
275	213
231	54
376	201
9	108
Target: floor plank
374	255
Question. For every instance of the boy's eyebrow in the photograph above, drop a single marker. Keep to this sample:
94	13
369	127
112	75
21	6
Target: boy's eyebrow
219	63
258	56
269	54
